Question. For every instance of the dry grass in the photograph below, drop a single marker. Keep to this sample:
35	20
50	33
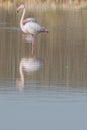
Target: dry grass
47	4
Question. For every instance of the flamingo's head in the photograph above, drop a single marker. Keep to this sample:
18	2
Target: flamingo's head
21	6
19	84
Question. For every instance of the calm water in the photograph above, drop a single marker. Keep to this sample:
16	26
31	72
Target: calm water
55	95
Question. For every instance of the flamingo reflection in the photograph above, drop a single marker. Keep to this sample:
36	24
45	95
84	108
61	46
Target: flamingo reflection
28	65
27	38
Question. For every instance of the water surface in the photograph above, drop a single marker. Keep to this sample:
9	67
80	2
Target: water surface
54	96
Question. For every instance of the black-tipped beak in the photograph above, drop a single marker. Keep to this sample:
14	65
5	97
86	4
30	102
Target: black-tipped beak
17	11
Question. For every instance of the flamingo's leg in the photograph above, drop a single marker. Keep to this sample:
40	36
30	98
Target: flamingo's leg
32	45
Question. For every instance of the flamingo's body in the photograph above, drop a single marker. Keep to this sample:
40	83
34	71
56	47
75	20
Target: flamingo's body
31	26
29	20
28	65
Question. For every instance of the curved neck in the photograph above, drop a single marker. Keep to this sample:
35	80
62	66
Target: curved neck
21	74
21	22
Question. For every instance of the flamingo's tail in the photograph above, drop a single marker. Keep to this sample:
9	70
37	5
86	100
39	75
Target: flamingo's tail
43	29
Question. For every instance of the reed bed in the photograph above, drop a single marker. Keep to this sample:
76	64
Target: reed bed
46	4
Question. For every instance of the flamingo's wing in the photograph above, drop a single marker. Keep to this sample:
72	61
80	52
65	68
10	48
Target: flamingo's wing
29	20
32	28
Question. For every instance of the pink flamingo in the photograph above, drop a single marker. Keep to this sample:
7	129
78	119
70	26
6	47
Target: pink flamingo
29	20
31	26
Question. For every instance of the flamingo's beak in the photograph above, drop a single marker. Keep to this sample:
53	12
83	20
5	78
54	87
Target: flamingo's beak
17	11
20	7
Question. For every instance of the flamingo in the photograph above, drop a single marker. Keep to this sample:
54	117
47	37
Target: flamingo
29	20
28	65
31	26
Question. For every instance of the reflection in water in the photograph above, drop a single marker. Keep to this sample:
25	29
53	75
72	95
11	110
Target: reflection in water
28	65
27	38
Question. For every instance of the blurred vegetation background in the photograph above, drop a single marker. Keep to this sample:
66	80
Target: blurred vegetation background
47	1
46	4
